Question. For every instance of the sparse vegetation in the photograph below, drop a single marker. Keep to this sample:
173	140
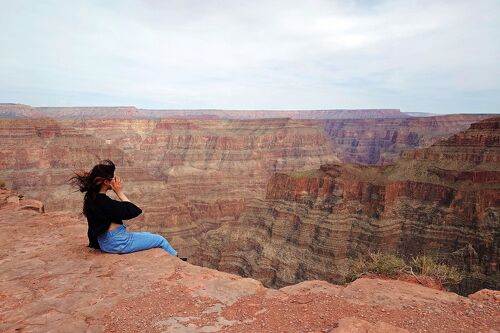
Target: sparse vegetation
306	173
376	263
447	275
392	266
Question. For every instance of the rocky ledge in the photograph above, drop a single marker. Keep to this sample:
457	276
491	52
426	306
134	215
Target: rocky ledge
51	282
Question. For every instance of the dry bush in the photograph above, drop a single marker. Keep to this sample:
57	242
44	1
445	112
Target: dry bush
426	265
377	263
391	265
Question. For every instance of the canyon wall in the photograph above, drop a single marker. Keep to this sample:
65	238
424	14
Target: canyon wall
188	176
196	170
381	141
442	200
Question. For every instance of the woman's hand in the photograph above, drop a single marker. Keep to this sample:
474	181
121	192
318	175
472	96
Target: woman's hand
117	184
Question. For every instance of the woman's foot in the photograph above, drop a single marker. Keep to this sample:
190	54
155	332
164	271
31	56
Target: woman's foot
181	258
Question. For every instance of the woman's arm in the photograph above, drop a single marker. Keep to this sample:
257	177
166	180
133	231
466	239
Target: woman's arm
124	209
122	196
121	210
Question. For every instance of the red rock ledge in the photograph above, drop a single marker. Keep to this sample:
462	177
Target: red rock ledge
51	282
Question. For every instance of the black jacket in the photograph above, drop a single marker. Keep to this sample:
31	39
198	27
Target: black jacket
106	210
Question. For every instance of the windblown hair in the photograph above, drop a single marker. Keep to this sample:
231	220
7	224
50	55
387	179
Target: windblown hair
90	182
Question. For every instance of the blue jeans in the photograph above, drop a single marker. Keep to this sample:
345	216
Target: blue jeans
119	240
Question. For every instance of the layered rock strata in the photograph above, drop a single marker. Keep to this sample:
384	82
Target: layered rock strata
434	201
188	176
51	282
381	141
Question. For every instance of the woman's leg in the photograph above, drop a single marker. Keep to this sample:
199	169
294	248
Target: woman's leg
139	241
114	241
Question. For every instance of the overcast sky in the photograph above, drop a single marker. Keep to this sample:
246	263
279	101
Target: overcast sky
424	56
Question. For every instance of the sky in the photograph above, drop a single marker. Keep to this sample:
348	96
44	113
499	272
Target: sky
418	56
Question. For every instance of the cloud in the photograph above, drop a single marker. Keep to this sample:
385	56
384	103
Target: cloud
433	56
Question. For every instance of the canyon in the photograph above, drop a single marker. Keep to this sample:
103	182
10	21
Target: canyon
188	176
196	170
442	200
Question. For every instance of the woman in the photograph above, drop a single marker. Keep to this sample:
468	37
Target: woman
104	215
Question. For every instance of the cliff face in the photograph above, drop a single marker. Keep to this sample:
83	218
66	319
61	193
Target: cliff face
381	141
312	222
36	157
478	146
188	176
51	282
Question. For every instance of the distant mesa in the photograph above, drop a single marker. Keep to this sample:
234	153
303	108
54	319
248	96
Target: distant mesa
10	110
421	114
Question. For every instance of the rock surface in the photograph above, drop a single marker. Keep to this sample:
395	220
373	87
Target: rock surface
51	282
444	199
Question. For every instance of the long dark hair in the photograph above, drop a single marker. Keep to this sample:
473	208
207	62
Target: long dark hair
90	182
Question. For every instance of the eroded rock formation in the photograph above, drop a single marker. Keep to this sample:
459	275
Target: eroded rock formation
437	200
51	282
381	141
188	176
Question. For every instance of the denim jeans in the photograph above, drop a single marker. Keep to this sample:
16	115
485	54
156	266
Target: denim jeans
119	240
